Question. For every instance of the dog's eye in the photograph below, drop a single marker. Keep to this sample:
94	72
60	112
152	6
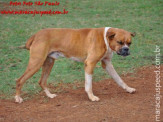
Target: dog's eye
129	43
120	42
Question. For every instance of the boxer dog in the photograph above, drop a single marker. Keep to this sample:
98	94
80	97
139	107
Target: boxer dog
88	45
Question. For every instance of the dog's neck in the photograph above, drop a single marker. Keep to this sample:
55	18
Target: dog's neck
106	41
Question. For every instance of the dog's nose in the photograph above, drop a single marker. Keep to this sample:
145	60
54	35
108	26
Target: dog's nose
126	49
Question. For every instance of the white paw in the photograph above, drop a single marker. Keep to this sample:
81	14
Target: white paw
51	95
130	90
18	99
94	98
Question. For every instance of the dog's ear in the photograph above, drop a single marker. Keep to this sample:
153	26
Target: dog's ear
133	34
110	35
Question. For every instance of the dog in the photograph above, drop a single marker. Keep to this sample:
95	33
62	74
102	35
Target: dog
88	45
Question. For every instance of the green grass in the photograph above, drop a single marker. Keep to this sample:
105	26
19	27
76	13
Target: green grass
143	17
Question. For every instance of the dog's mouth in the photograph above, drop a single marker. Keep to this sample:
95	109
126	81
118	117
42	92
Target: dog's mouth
123	53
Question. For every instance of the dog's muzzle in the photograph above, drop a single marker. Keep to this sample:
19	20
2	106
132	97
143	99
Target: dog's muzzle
124	51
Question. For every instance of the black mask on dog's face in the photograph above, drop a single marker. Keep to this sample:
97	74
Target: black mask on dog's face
124	51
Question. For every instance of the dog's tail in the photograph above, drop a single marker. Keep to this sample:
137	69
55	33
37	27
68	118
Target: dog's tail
29	42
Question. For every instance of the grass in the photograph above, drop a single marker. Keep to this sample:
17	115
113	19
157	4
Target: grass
143	17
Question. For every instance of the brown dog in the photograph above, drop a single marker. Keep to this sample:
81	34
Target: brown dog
88	45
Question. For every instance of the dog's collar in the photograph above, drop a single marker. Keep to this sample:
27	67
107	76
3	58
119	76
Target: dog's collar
106	42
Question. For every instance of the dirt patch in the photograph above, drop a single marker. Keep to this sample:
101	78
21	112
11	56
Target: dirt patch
115	104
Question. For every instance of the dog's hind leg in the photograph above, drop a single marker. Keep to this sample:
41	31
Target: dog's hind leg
46	69
37	58
33	66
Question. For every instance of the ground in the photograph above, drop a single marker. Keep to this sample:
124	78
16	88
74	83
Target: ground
72	105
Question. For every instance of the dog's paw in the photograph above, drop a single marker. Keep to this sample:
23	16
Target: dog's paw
131	90
94	98
51	95
18	99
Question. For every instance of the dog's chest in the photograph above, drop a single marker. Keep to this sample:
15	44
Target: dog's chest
108	54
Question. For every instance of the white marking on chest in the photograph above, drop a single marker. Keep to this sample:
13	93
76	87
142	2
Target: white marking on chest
109	52
105	39
108	55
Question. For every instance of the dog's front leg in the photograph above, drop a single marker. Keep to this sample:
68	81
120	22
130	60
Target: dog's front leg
110	69
89	66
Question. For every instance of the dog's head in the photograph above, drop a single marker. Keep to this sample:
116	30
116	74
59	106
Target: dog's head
119	40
